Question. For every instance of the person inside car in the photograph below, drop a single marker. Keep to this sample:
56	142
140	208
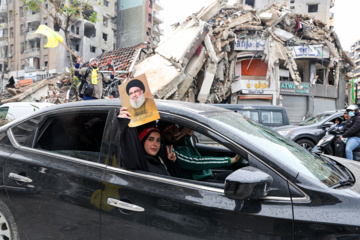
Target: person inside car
150	140
352	131
193	165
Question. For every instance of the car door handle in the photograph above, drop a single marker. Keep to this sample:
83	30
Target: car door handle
124	205
19	178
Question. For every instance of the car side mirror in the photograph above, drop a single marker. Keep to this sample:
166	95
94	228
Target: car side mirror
247	183
327	124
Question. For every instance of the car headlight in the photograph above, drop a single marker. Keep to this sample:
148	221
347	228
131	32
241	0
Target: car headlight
284	133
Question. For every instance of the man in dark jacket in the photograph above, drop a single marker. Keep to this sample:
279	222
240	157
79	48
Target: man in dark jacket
352	131
92	78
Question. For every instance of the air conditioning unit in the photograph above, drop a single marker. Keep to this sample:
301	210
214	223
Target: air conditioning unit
10	55
42	68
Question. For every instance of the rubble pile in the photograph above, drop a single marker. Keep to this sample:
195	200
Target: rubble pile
52	90
196	62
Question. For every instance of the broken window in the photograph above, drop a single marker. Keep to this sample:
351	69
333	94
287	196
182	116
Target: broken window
105	36
105	21
56	27
250	2
44	41
92	49
89	30
21	10
313	7
22	47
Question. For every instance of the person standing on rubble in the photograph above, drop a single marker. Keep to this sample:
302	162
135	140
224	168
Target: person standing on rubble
92	87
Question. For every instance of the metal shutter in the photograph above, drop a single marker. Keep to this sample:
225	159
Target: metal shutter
296	107
324	104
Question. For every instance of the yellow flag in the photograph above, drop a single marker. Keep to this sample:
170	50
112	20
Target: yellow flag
53	38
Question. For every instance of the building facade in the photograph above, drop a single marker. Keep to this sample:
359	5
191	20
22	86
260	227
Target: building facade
320	9
139	21
323	82
355	55
22	52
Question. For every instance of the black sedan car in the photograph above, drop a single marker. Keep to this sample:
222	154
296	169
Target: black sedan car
309	132
61	179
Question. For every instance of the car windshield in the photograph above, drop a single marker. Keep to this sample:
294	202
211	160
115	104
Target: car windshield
280	148
313	120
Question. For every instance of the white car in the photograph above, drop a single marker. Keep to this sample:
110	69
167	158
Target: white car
11	111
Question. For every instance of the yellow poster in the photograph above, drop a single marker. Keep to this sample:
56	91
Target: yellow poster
136	96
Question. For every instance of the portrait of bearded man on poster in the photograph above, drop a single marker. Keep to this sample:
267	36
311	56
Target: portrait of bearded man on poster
136	96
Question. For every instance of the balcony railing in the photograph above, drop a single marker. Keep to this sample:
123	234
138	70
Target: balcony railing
32	50
33	18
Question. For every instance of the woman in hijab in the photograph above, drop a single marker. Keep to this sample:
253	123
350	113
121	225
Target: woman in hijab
150	140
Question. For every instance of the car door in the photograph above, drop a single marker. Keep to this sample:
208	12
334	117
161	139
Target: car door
54	178
140	205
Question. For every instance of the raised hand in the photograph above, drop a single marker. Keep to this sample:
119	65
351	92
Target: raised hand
170	154
185	131
124	113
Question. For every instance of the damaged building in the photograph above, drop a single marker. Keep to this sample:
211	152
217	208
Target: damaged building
235	54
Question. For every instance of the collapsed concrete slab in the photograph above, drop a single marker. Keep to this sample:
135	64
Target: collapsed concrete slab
162	76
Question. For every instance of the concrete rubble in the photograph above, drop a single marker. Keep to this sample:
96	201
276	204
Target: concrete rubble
196	62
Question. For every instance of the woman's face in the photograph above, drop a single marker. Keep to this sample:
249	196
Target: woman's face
152	144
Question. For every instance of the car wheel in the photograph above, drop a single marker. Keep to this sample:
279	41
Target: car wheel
8	228
307	144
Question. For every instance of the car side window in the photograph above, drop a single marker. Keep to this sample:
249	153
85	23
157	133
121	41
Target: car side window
3	112
23	131
253	115
271	117
75	135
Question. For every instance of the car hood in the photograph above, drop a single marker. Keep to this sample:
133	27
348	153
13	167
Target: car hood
354	167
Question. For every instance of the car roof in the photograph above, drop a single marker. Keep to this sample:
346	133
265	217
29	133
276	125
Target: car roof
332	112
177	107
22	104
252	107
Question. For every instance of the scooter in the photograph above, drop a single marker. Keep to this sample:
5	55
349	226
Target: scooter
330	144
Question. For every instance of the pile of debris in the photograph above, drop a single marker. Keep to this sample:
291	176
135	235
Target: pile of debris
196	62
53	90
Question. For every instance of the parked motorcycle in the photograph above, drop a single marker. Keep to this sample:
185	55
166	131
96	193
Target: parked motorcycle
330	144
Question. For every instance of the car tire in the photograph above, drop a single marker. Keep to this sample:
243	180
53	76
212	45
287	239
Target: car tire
8	227
305	143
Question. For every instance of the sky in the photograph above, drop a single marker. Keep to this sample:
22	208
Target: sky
346	13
